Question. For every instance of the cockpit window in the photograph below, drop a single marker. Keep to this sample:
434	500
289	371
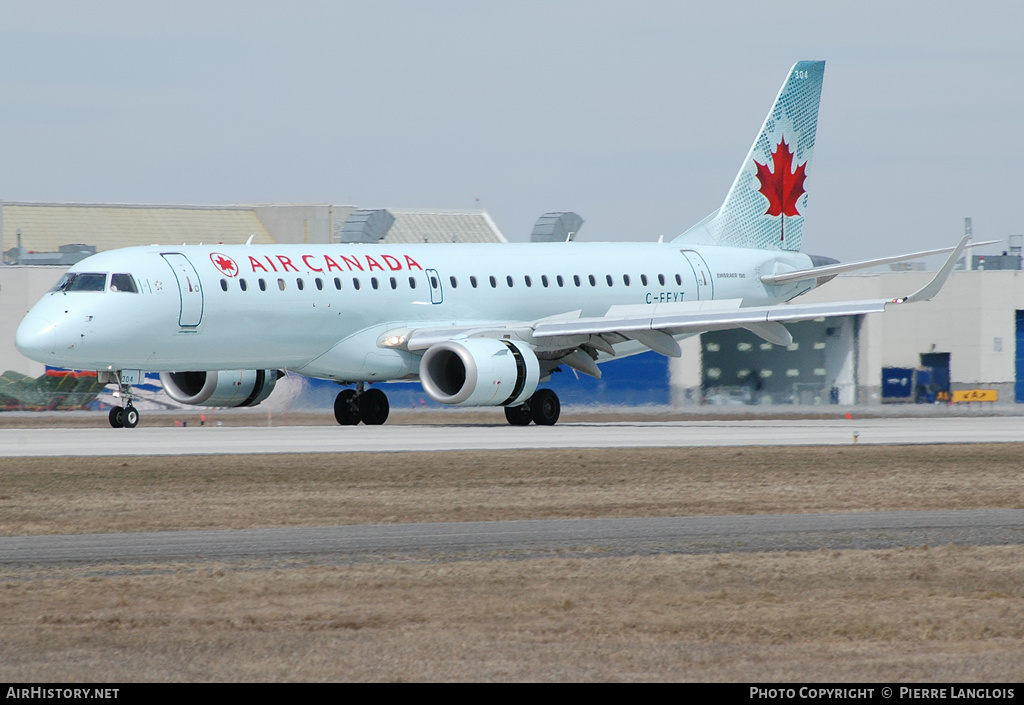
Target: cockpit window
123	282
81	281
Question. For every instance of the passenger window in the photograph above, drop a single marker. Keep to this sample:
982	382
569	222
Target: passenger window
281	285
661	279
355	283
319	283
679	280
590	278
608	278
123	283
224	284
576	279
394	283
412	282
561	282
494	283
299	283
544	280
643	279
337	283
453	280
527	280
374	283
625	279
243	285
510	281
263	284
472	282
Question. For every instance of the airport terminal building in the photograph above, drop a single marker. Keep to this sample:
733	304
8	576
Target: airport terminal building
969	337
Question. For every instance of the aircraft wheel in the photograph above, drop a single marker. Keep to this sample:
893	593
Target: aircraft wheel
346	410
373	407
545	407
116	417
130	417
519	415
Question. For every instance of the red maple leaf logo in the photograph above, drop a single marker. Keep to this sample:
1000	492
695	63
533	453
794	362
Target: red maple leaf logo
225	264
783	186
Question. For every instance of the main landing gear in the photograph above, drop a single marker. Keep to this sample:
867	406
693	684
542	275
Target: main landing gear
542	408
354	405
370	406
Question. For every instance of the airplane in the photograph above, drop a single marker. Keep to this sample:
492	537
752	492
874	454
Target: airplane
476	324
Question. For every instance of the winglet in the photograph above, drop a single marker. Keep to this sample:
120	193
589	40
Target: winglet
932	288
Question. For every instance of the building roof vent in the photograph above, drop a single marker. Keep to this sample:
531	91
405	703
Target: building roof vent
556	227
368	226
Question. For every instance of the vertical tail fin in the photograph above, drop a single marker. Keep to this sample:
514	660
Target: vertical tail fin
765	206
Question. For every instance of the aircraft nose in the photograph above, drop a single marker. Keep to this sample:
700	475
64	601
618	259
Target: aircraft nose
36	337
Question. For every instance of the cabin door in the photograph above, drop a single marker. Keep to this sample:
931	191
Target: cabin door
189	288
705	287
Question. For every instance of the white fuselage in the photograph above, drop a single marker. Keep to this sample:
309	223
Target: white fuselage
319	309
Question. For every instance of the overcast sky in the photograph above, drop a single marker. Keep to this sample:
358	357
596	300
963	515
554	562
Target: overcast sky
636	115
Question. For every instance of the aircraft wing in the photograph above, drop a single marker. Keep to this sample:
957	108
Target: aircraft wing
577	340
656	330
656	326
830	270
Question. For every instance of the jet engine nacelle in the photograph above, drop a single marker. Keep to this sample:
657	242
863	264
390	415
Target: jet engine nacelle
220	388
480	372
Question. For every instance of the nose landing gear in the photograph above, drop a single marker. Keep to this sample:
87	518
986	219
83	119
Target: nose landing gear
126	416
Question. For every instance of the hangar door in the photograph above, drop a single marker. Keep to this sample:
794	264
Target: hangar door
819	367
1018	387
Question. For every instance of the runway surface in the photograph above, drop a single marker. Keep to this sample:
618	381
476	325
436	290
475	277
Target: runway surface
510	540
518	539
209	440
